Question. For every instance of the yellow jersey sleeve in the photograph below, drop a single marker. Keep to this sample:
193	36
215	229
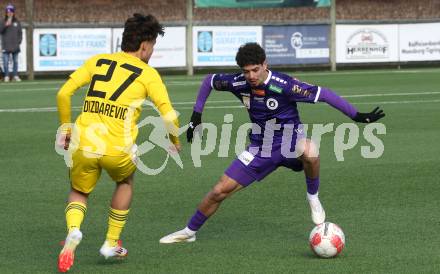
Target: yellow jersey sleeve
83	75
77	79
63	100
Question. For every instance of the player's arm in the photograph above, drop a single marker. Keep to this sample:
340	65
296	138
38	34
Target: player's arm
77	79
159	96
196	117
304	92
348	109
221	82
64	112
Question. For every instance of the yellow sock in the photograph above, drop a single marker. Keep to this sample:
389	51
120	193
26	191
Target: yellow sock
116	222
75	212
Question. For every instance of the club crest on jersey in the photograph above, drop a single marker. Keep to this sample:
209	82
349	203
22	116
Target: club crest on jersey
298	90
275	89
258	92
272	104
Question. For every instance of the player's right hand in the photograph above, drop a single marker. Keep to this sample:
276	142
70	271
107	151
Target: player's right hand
196	119
175	148
63	140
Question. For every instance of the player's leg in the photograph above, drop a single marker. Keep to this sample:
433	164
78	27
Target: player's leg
242	172
310	160
224	188
121	169
84	174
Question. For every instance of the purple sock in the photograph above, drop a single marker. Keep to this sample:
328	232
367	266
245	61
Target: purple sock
197	220
312	185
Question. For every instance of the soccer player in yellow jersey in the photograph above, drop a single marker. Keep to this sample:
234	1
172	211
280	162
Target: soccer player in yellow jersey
104	134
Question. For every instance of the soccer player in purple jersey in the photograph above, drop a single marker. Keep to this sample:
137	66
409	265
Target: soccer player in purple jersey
270	98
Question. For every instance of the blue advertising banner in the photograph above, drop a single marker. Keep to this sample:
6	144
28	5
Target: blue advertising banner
67	49
290	45
218	45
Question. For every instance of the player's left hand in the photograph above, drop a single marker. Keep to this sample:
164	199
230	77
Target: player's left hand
369	117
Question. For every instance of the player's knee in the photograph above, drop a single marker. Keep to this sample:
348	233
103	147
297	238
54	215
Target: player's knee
309	150
217	194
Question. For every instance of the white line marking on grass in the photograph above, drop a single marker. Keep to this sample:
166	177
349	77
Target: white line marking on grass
53	109
397	102
210	102
391	94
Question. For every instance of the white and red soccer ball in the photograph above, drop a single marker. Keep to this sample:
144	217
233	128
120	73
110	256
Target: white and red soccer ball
327	240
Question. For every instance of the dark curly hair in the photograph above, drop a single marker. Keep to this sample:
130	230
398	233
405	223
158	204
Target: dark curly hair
138	29
250	54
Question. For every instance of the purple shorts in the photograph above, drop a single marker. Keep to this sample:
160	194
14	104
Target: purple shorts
248	167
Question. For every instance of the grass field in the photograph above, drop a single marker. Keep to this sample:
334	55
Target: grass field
388	207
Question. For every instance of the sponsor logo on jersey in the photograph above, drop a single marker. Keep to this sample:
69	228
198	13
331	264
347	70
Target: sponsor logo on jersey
246	101
258	92
298	90
272	104
241	83
275	89
246	157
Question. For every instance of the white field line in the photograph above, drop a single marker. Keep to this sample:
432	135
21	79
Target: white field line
15	86
75	108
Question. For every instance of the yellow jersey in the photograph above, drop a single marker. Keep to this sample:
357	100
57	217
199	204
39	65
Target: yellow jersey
119	84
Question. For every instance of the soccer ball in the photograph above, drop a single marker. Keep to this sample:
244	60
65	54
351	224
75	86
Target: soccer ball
327	240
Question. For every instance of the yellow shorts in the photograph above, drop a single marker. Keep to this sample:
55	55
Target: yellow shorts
86	169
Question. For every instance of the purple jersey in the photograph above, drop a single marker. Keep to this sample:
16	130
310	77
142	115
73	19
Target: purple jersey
274	99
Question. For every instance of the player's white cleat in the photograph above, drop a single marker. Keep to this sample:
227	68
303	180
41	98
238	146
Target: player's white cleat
318	213
184	235
67	254
113	251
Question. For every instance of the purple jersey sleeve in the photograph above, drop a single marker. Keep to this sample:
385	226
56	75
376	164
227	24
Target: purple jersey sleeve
204	91
305	92
331	98
223	82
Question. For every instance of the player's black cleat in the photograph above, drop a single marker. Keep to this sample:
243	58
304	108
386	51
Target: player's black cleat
369	117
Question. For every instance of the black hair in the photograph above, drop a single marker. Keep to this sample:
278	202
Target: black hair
138	29
250	54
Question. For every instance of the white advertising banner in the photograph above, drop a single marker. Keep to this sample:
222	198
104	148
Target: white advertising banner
67	49
169	51
419	42
21	55
366	43
217	46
